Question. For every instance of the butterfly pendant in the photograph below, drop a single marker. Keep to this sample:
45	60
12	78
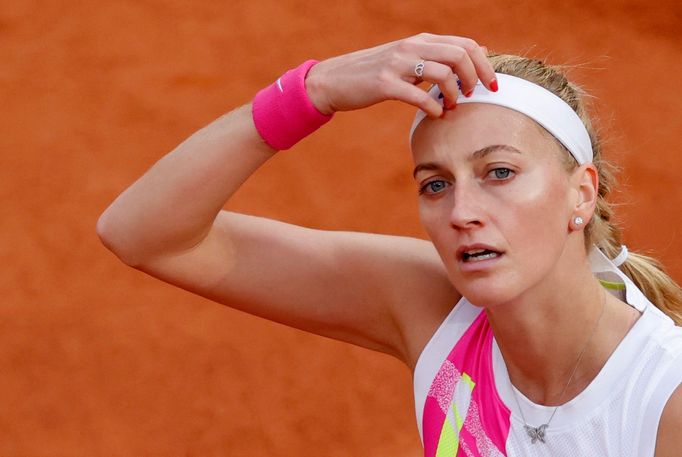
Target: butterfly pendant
536	433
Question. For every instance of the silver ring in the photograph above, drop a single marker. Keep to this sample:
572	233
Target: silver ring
419	69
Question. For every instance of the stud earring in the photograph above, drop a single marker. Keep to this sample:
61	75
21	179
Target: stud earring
578	220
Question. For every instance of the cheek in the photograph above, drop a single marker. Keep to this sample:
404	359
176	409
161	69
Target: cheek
530	212
431	220
434	220
540	210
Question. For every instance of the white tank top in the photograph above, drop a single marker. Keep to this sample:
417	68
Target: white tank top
465	405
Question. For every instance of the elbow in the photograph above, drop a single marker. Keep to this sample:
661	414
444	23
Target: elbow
105	232
114	240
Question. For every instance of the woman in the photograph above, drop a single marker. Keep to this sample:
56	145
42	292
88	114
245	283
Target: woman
550	347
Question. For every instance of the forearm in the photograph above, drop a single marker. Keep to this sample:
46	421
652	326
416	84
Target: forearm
173	205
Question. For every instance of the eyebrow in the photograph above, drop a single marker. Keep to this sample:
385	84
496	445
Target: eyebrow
478	154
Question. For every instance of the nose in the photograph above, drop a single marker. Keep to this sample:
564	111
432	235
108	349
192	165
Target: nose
467	206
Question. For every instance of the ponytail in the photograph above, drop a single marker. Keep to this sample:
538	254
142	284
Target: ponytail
649	276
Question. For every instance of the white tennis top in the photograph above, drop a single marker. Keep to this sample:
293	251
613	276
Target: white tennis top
616	415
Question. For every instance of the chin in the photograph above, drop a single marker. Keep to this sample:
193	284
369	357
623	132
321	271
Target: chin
485	300
486	293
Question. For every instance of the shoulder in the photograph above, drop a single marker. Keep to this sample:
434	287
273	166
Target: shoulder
669	439
668	436
650	397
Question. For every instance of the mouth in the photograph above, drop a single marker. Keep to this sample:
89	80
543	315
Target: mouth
478	254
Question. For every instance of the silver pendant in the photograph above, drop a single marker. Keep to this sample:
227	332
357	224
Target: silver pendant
536	433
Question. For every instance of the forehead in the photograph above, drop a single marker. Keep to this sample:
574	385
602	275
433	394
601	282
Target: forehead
473	126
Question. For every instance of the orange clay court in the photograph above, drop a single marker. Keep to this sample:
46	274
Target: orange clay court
97	359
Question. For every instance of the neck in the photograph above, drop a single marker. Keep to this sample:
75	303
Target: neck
542	333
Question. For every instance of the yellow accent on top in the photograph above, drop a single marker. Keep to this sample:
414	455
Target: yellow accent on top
612	285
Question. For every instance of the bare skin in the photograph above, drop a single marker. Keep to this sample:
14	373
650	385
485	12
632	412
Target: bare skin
349	286
541	293
389	293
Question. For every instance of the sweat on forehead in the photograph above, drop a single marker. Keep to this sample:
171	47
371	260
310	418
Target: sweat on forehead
534	101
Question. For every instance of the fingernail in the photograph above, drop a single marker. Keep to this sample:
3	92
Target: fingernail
448	104
445	110
493	85
469	94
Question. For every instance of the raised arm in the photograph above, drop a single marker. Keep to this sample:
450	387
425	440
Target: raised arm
372	290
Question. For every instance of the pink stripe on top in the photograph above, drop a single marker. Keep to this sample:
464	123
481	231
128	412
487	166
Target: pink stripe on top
463	413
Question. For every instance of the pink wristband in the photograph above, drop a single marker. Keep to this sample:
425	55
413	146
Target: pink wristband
283	113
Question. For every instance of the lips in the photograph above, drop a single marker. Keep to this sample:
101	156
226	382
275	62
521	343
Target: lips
478	253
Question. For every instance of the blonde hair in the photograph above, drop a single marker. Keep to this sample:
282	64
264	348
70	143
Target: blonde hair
647	273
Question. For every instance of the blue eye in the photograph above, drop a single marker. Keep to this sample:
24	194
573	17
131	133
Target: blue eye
501	173
433	187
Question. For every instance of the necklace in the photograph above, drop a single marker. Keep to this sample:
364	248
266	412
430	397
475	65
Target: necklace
538	433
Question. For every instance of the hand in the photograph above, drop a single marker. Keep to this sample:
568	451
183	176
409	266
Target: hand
386	72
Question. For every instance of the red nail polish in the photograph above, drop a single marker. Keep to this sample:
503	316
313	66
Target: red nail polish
493	85
469	94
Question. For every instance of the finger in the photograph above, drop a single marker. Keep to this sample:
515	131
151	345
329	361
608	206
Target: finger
405	92
454	57
442	75
477	54
484	69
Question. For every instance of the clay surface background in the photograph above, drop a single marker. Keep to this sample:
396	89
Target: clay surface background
98	359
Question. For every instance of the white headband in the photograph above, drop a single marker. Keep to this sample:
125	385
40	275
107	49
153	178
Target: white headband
534	101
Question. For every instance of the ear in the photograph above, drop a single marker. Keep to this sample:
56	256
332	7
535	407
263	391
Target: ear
585	184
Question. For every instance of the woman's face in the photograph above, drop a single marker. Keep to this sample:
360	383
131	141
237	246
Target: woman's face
494	198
